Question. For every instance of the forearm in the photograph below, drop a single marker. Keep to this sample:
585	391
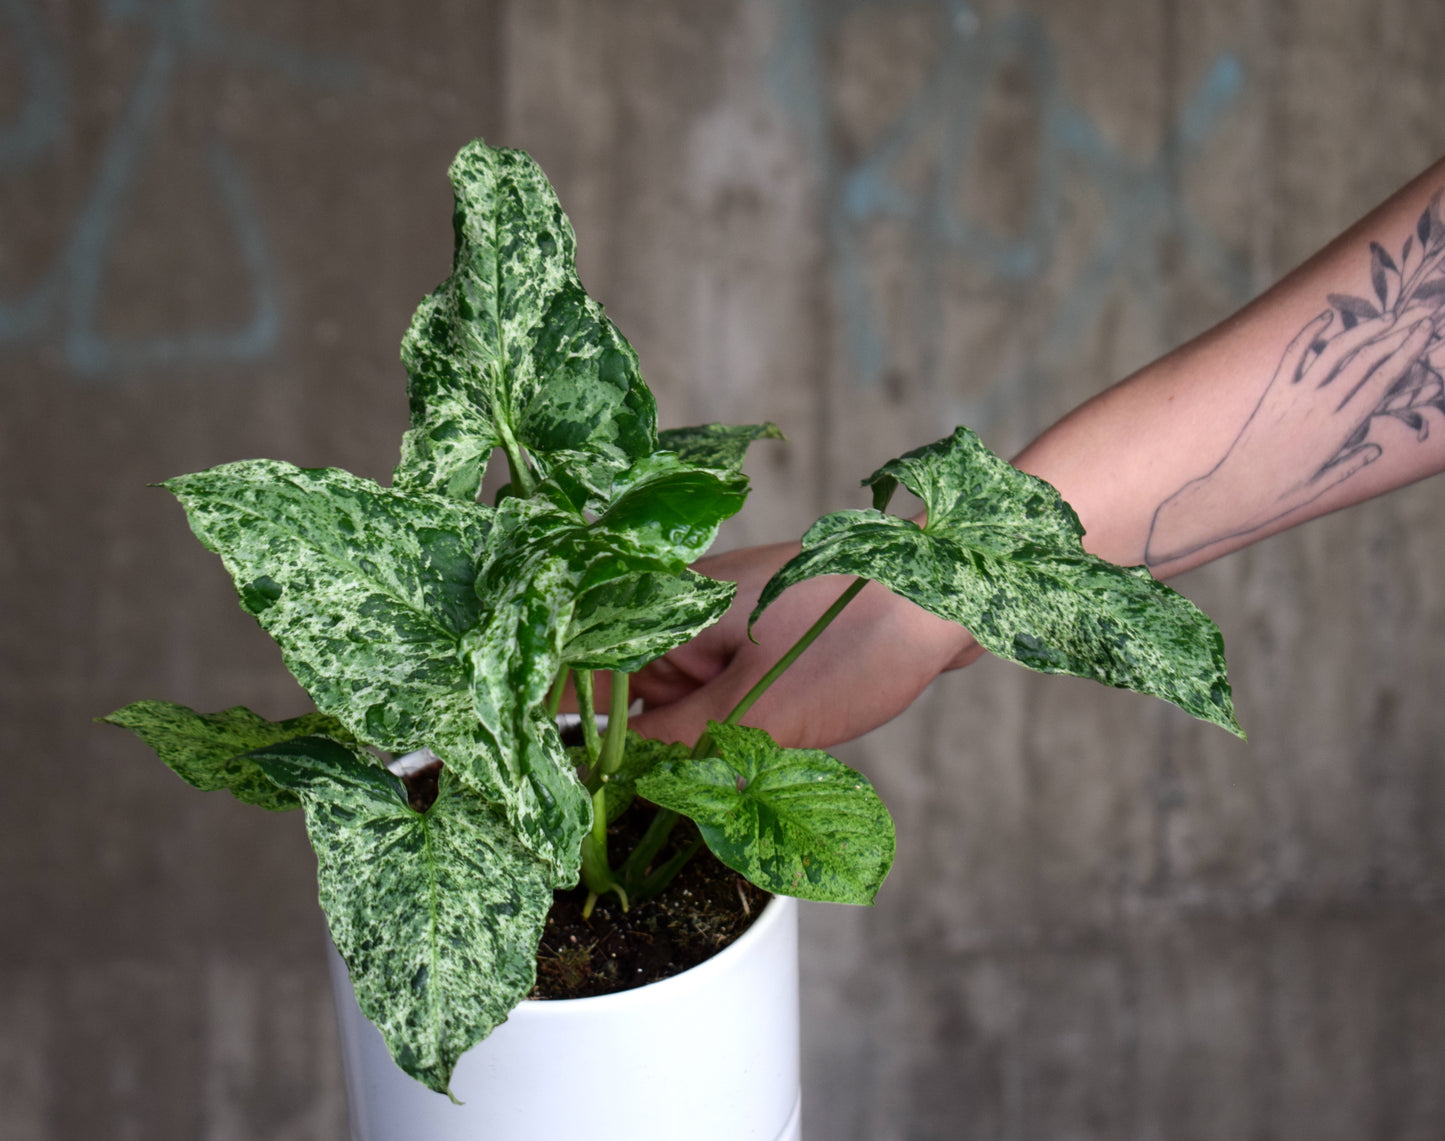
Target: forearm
1300	404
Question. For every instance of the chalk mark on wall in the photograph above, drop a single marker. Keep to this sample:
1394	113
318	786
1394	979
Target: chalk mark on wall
66	299
1140	199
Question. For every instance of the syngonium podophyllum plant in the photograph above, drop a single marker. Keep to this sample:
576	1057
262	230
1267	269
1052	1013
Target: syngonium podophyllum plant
417	617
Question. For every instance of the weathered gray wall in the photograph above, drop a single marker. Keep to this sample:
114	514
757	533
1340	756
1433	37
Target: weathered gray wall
868	221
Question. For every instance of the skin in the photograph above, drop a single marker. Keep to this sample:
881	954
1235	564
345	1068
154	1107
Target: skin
1288	410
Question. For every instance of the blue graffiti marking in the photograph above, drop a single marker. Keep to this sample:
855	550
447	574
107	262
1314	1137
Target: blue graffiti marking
42	113
66	300
1140	198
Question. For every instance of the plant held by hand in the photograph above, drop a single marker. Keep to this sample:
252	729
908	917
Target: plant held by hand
416	616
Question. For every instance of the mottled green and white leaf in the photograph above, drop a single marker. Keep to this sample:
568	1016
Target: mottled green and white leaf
720	446
1002	554
538	564
369	592
511	659
208	750
793	821
625	624
510	351
437	914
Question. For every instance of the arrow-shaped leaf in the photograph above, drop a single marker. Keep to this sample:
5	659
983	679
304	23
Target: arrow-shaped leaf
510	350
437	914
793	821
208	750
369	592
1001	554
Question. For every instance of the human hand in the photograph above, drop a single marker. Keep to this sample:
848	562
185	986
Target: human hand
866	668
1306	435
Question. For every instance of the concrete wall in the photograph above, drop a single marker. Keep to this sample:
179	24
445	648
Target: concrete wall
868	221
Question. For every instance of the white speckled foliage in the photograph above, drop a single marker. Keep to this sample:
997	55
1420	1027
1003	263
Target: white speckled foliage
1002	554
721	446
209	750
510	351
625	624
416	617
437	914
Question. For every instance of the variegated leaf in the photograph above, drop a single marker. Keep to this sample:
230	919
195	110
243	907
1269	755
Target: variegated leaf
511	660
1001	554
720	446
625	624
437	914
793	821
369	592
208	750
538	562
510	350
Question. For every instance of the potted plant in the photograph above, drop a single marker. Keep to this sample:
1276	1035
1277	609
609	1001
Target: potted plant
417	617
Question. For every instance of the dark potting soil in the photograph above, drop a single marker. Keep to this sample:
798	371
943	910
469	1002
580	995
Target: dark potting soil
703	910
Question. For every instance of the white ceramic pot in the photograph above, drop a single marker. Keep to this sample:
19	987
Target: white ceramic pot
709	1055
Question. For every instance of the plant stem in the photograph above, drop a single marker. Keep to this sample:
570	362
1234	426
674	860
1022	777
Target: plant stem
611	759
704	743
647	848
596	872
589	717
522	485
554	699
664	875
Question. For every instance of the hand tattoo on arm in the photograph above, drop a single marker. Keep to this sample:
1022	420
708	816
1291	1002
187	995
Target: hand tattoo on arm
1356	362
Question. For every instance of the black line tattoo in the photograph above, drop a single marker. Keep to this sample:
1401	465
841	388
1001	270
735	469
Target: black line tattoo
1358	362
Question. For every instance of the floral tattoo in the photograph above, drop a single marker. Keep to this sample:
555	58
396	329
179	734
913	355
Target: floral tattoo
1360	361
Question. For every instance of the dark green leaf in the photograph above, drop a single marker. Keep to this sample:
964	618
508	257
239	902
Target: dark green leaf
509	350
719	446
437	914
1002	555
793	821
625	624
664	514
369	592
208	750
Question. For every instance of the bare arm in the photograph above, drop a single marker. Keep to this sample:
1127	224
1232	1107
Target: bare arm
1324	391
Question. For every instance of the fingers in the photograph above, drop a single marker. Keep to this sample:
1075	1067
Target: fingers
685	718
1374	369
1338	352
1294	353
665	681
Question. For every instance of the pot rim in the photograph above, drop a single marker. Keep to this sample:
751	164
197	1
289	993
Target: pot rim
777	911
